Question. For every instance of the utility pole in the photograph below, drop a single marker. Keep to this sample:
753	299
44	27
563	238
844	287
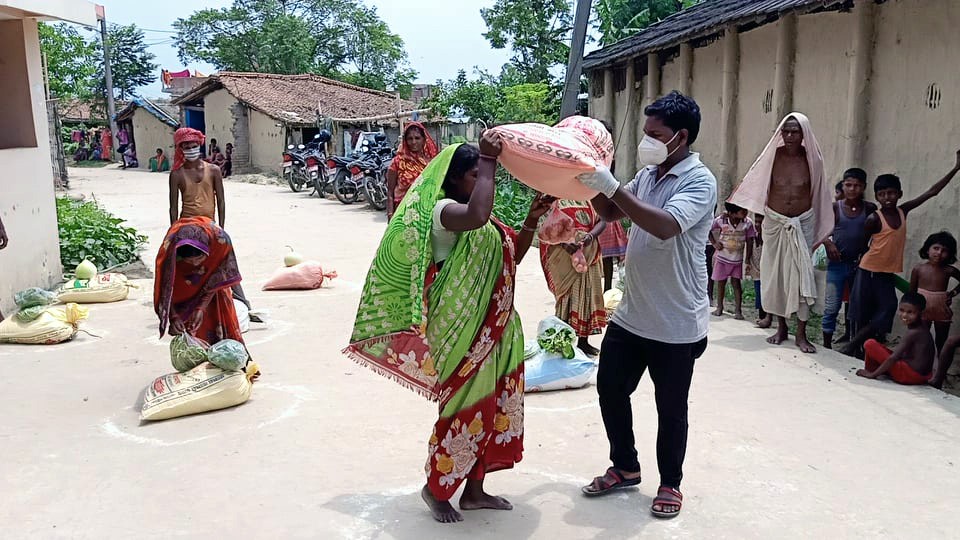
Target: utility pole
575	63
111	107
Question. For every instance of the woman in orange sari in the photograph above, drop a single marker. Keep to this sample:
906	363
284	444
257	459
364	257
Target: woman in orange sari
195	278
416	151
578	288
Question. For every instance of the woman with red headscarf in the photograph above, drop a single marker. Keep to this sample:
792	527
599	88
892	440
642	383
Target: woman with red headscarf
416	151
196	274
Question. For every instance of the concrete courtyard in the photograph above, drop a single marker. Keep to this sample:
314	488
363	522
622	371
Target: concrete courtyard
781	445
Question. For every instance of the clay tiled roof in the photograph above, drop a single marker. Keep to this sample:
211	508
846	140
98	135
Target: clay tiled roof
76	110
703	20
294	98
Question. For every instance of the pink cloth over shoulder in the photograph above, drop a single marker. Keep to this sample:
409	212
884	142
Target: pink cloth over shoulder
753	190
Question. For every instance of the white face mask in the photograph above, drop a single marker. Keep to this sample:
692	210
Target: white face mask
652	151
192	155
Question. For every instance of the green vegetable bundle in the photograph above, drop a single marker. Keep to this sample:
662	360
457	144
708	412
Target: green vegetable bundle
558	341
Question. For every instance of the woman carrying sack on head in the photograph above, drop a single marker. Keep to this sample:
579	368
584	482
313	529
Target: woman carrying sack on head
437	317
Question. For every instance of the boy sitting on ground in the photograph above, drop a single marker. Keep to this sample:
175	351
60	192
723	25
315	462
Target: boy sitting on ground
912	361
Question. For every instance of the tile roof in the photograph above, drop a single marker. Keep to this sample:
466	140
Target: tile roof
294	98
703	20
77	110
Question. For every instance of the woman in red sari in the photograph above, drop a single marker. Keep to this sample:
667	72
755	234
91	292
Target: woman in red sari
195	278
416	151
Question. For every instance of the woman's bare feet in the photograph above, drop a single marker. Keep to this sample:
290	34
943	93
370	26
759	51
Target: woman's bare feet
584	345
442	511
474	498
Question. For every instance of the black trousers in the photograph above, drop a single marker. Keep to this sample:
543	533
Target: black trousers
623	359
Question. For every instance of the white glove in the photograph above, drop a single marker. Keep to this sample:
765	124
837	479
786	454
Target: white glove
601	180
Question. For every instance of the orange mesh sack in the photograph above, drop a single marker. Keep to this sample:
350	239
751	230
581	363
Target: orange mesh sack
557	228
549	159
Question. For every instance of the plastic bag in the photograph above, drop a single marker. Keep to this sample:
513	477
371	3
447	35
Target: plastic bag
203	388
579	261
187	352
531	348
611	300
545	371
303	276
243	315
228	355
549	159
820	258
557	228
30	314
556	336
33	297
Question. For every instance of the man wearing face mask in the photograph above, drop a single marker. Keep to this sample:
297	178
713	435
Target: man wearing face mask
661	323
788	187
197	182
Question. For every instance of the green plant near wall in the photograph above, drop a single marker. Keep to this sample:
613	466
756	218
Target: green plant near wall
89	232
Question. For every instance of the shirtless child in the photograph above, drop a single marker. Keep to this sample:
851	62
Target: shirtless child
932	278
912	361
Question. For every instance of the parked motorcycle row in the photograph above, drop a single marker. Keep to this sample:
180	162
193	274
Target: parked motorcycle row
359	176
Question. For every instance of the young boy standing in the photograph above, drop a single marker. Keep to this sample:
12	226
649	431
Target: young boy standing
764	319
873	300
912	361
731	234
845	246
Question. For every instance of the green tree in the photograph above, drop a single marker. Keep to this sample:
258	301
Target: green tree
478	98
535	30
71	60
619	19
340	39
530	102
131	64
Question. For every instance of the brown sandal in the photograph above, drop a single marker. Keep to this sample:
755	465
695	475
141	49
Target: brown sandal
611	480
667	496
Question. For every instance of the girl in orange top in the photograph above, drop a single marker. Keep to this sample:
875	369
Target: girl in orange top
873	299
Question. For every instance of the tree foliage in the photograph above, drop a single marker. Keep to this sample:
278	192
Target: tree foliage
342	39
71	60
131	64
496	100
619	19
535	30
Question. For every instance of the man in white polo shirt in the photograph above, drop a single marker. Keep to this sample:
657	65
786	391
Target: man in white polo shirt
661	324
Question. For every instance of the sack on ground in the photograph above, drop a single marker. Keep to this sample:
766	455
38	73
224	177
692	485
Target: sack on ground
53	325
545	372
303	276
611	300
557	228
102	288
203	388
243	315
187	352
228	355
549	159
33	297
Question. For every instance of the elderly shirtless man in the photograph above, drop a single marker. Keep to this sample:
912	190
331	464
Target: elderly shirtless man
787	185
198	183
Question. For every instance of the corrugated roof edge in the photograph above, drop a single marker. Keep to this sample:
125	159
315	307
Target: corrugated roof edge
685	26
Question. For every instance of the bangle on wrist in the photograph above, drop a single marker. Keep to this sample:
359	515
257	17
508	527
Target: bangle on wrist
488	157
526	227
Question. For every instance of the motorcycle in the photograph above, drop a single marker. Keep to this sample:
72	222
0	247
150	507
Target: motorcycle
365	175
302	164
294	167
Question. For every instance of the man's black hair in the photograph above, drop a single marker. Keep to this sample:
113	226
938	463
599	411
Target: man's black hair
677	112
887	181
914	299
857	174
946	240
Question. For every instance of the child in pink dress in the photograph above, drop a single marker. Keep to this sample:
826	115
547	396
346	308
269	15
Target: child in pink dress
733	236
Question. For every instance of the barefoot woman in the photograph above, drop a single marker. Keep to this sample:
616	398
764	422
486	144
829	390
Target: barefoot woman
437	316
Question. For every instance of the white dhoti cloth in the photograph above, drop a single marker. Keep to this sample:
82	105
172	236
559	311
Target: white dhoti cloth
789	285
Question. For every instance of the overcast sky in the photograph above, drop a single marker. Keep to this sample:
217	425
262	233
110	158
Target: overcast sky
441	36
